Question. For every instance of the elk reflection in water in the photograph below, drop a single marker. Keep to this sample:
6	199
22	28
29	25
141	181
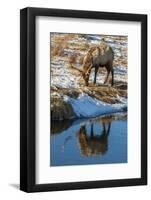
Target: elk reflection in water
95	143
92	141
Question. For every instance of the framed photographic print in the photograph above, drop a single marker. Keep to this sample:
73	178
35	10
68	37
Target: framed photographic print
83	99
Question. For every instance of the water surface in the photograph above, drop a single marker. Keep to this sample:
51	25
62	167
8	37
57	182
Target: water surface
98	140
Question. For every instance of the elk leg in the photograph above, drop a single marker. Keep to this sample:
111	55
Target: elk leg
107	76
112	77
96	71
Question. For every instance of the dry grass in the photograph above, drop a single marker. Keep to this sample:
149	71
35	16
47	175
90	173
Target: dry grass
57	50
106	94
59	44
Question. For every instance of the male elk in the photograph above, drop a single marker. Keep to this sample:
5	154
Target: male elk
99	56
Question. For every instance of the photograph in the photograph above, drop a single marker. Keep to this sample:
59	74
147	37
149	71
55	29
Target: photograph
83	99
88	99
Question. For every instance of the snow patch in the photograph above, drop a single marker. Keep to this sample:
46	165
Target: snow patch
120	70
85	106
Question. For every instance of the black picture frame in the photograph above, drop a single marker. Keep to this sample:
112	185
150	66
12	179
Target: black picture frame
28	99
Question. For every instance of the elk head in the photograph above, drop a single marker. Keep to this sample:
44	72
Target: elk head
87	65
85	75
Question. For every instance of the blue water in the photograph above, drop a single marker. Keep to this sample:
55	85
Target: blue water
89	141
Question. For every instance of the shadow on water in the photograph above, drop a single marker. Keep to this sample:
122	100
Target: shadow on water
60	126
89	141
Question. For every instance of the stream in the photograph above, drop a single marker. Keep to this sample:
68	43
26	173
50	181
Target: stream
100	140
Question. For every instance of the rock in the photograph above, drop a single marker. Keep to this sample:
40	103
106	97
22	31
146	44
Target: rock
61	110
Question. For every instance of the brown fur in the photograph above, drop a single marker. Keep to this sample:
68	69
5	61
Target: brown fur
98	56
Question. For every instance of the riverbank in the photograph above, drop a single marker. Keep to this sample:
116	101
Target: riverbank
86	102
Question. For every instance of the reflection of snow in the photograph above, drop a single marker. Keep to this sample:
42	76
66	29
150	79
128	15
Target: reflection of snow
86	106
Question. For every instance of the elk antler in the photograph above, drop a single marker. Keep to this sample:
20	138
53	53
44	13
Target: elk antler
73	67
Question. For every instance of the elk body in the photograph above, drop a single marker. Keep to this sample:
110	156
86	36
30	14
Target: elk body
96	57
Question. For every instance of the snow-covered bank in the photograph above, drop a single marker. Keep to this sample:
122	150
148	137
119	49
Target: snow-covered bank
69	49
86	106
